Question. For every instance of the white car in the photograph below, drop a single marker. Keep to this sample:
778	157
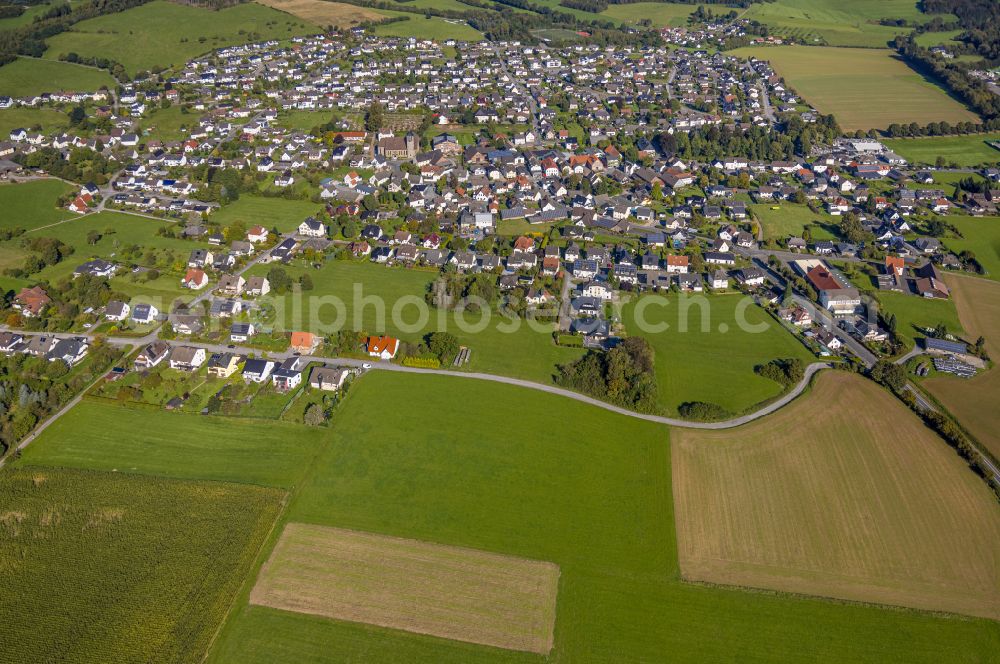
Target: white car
366	365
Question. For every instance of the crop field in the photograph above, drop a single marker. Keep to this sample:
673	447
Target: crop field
163	34
104	567
791	219
713	362
843	494
974	400
966	151
423	27
525	352
598	505
981	236
321	13
31	76
863	88
280	213
444	591
662	14
914	314
103	436
836	23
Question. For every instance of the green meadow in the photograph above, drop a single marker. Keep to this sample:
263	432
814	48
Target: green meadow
162	34
523	353
965	151
47	119
31	76
424	27
981	236
661	14
791	219
713	359
852	23
100	436
914	314
280	213
596	503
30	205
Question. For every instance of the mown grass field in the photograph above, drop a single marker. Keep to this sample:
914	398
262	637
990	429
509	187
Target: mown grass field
104	567
842	494
965	151
791	219
104	436
163	34
714	363
843	23
280	213
523	353
30	205
596	503
318	12
863	88
914	314
662	14
974	401
31	76
423	27
981	236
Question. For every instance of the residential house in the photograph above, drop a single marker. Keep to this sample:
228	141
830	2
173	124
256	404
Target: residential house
383	347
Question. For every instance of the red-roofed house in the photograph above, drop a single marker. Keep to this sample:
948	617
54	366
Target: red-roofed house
384	348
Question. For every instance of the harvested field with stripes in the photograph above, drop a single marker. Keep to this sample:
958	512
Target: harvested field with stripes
421	587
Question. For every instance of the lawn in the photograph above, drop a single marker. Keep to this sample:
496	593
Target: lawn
168	124
163	34
47	119
790	220
965	151
662	14
26	77
321	13
524	353
597	504
106	567
863	88
914	314
106	436
422	27
844	494
714	363
280	213
836	22
981	236
974	401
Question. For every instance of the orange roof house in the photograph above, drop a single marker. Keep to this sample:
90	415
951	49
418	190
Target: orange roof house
383	347
524	243
896	264
195	279
304	342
